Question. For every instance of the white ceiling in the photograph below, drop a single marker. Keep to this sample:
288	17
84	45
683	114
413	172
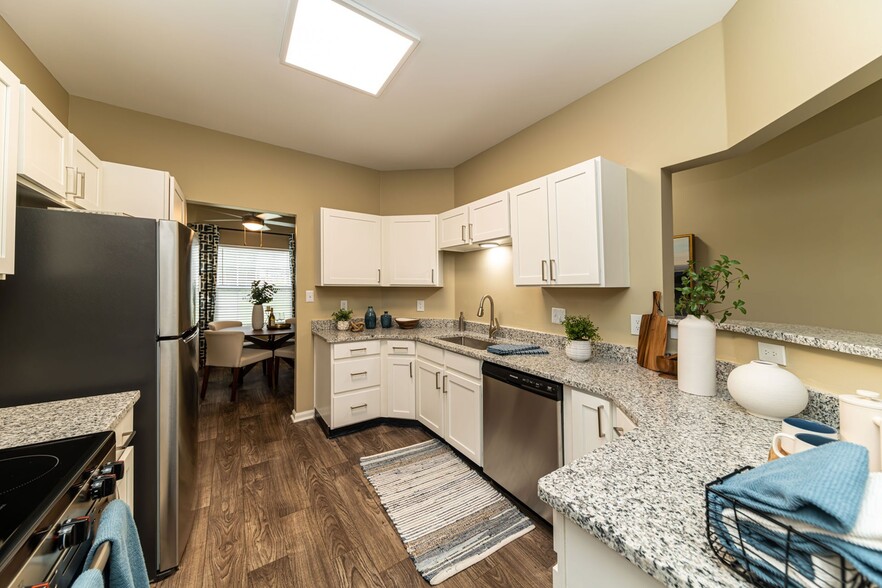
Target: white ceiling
484	69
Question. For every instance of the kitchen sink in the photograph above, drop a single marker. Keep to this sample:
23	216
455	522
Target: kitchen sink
468	342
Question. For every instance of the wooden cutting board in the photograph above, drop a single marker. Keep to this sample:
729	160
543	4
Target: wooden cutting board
653	336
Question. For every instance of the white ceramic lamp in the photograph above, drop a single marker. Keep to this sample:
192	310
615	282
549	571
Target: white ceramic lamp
767	390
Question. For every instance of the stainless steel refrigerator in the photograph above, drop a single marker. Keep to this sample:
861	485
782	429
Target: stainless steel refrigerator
102	304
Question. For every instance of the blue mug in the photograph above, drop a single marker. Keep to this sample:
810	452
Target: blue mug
800	442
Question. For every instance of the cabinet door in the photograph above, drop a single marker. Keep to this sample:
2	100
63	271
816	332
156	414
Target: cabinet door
429	401
125	489
453	227
529	233
136	191
178	205
401	383
87	175
410	251
622	423
589	424
489	218
9	113
464	416
350	248
43	144
574	226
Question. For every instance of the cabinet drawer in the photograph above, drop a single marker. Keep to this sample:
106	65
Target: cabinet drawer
357	349
354	374
430	353
465	365
123	431
355	407
400	347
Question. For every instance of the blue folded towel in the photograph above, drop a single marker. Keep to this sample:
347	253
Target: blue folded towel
512	349
127	567
822	487
89	579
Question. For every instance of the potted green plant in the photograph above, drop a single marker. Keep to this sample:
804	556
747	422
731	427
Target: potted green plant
704	295
261	293
342	317
581	332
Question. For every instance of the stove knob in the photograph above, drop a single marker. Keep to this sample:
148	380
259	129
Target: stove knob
74	531
101	486
117	468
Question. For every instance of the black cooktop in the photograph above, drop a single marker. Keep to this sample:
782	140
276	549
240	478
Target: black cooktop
36	480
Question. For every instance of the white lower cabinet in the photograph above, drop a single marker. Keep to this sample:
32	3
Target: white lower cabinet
429	397
399	380
589	423
464	415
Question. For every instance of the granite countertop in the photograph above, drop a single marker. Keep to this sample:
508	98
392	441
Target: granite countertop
641	494
47	421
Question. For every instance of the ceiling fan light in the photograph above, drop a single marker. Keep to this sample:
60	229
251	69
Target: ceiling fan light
253	223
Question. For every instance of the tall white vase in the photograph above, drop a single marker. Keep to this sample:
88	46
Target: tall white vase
257	316
697	356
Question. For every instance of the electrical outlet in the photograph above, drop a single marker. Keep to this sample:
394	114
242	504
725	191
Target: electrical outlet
773	353
558	315
635	323
673	333
344	304
310	295
421	306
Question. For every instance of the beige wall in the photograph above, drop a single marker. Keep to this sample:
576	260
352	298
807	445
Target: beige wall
803	214
18	57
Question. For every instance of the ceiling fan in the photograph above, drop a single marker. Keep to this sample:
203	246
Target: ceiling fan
252	222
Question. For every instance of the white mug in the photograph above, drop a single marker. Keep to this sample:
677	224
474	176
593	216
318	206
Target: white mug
800	442
793	426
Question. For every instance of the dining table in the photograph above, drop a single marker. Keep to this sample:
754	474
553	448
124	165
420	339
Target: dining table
266	338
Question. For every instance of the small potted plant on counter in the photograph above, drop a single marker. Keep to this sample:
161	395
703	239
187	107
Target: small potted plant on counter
581	331
700	290
342	316
261	293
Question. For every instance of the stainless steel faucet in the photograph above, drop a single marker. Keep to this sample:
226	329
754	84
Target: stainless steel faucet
494	322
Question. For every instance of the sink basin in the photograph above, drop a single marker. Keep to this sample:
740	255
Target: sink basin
468	342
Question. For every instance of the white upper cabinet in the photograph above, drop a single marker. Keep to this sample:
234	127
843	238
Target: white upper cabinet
84	175
142	192
350	248
466	227
9	129
178	204
570	228
44	148
410	251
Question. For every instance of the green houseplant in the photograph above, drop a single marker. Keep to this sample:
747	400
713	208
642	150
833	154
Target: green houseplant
261	293
581	332
342	318
704	293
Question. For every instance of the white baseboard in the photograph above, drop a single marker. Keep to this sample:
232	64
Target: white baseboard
299	417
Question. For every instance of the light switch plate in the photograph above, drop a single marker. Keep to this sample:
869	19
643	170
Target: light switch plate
635	323
421	305
773	353
310	295
344	304
558	315
673	333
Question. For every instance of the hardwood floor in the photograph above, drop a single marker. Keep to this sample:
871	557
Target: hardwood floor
281	505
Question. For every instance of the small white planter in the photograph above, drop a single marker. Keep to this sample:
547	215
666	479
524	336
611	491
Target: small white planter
342	325
697	356
257	316
767	390
578	350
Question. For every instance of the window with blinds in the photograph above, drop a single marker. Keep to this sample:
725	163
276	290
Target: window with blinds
237	267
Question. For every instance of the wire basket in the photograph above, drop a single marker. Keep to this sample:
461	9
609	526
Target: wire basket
768	553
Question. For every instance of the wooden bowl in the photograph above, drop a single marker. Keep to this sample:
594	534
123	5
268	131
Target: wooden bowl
407	323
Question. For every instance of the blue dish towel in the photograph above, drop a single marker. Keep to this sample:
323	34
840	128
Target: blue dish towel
512	349
127	567
89	579
822	487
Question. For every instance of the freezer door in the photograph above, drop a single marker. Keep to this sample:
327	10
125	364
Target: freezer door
178	436
178	305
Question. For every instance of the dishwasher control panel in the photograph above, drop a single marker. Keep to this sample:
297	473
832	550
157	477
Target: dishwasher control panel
524	381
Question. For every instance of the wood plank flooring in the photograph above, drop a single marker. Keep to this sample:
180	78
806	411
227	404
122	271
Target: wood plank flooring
281	505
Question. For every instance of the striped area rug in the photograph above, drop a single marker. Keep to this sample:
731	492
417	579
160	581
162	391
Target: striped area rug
447	515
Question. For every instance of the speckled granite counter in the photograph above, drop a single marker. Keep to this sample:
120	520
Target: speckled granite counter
642	494
46	421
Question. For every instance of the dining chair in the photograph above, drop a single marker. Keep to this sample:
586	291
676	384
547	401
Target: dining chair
224	349
285	353
220	325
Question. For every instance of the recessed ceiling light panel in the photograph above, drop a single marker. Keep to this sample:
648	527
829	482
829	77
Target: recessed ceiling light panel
346	43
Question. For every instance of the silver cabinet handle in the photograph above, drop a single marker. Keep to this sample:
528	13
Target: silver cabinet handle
437	383
127	440
353	374
551	269
82	191
378	275
358	406
600	433
70	178
354	349
543	270
411	370
619	431
402	348
444	385
463	234
470	232
433	276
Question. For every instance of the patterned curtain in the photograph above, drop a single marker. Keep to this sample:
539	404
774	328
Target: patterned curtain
209	239
292	253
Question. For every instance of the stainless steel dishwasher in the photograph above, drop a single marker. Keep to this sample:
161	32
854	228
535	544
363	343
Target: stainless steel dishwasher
522	432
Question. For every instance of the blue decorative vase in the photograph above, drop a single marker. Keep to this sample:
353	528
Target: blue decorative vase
370	318
386	320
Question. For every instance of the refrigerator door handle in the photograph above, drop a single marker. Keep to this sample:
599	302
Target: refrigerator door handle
194	332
